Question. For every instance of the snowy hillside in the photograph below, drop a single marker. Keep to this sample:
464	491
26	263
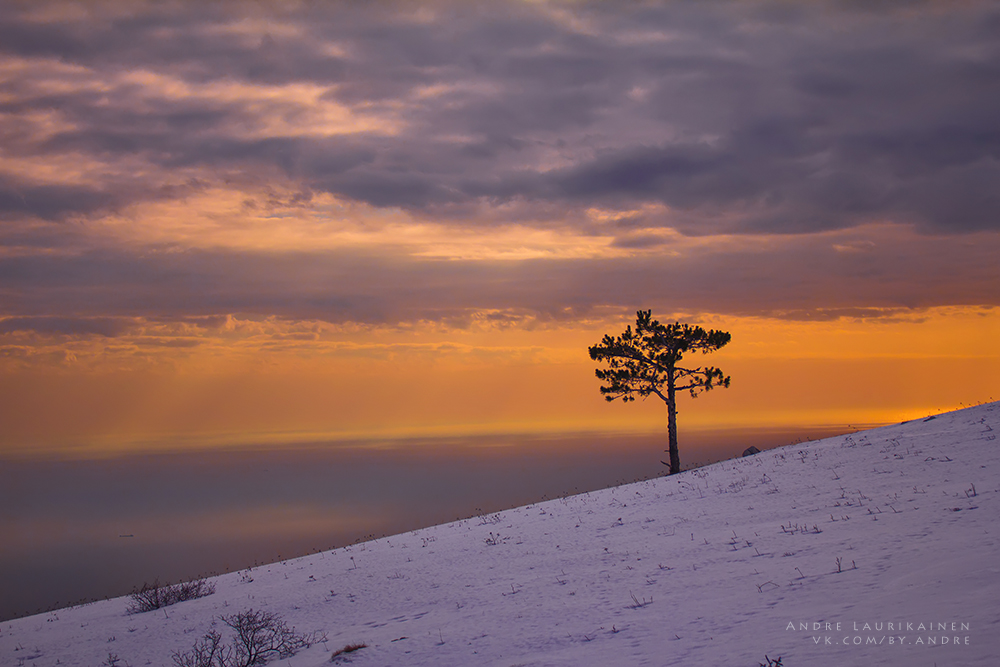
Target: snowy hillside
878	548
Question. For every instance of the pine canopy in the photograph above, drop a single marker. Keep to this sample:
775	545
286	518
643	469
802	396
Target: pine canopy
641	361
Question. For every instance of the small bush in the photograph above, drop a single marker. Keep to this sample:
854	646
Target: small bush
153	597
259	636
112	661
209	651
494	540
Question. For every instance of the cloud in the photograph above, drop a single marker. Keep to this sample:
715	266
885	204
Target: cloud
399	163
792	120
49	201
108	327
787	276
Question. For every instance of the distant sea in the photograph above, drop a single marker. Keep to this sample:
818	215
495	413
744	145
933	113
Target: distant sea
79	530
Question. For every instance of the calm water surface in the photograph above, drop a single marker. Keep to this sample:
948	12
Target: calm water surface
78	530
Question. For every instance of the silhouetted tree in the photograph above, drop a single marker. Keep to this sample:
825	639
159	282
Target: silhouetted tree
644	362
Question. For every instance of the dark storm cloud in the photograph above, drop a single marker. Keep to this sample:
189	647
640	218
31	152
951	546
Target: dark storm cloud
792	119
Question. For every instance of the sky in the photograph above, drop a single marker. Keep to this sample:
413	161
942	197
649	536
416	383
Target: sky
268	222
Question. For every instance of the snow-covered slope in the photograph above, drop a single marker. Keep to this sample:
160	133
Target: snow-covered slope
877	548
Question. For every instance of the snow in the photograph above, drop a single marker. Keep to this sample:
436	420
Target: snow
716	566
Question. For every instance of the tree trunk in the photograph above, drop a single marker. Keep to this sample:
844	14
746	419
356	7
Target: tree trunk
675	457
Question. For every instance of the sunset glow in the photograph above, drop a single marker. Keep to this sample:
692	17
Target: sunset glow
227	223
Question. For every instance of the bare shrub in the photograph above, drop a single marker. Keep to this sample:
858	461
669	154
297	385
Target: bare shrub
209	651
494	540
258	636
153	597
112	661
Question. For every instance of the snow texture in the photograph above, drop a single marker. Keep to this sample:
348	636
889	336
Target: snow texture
721	565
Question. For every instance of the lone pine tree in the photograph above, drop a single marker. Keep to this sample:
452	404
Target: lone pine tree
645	361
